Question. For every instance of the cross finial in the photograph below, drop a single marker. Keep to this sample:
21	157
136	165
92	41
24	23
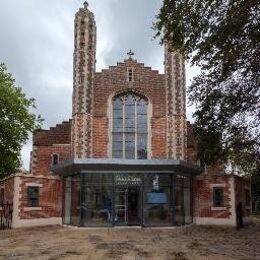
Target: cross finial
85	4
130	53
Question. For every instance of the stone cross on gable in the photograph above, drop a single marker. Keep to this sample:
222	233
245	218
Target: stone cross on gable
130	53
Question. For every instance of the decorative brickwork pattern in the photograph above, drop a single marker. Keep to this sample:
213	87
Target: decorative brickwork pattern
176	105
113	81
83	82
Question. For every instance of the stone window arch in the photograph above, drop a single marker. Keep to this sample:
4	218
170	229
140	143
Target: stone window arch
129	126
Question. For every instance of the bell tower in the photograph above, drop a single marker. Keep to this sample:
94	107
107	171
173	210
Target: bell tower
176	104
84	60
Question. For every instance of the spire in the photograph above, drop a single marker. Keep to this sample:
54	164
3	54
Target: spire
85	5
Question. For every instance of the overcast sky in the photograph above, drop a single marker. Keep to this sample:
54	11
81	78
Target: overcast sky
37	47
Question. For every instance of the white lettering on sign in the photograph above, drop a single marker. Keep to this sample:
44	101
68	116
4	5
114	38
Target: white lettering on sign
127	180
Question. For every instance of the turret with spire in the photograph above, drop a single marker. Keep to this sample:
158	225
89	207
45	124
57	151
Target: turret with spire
83	82
176	104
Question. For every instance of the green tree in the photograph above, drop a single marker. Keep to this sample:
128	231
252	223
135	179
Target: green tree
222	37
16	122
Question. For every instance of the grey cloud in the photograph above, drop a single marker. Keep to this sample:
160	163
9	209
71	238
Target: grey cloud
37	46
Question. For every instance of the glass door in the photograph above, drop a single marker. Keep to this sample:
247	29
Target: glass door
134	209
121	207
128	200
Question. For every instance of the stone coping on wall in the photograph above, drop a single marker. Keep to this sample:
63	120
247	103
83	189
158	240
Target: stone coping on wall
127	166
28	175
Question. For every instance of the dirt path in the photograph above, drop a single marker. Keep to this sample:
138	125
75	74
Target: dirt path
131	244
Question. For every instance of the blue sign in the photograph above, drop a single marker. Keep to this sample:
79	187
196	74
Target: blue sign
156	198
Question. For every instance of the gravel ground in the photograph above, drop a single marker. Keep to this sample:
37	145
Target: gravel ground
181	243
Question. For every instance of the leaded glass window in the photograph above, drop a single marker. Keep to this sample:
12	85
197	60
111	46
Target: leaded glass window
129	134
218	196
33	196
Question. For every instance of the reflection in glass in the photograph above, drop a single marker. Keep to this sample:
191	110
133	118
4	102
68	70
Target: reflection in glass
106	199
75	201
96	200
67	201
157	208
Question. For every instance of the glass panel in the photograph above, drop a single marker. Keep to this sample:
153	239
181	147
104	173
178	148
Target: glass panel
129	146
179	210
218	197
117	154
67	201
121	195
117	146
129	125
118	113
98	178
130	100
117	149
128	199
75	201
118	103
117	125
96	201
33	196
97	206
187	205
142	124
157	204
142	107
117	137
142	146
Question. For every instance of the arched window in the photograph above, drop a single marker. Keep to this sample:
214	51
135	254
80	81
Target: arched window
129	131
55	159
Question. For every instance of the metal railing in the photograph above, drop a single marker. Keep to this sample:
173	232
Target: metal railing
6	213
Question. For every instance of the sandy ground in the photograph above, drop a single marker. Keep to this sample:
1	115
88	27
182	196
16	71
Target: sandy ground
131	244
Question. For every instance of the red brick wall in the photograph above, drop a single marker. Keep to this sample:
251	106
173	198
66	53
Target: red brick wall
8	185
203	196
56	140
112	81
202	190
50	198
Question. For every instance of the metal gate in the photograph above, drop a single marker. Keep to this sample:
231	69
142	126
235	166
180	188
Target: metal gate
6	212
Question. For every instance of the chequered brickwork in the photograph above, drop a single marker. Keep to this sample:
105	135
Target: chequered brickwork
83	82
176	105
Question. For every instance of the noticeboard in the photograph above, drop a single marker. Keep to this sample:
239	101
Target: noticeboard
156	198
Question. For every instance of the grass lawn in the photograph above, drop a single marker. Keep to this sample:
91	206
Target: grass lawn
181	243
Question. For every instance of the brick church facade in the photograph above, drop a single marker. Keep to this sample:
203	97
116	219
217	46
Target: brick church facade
128	156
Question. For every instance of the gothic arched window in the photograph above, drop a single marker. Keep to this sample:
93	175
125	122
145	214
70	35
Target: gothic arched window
129	131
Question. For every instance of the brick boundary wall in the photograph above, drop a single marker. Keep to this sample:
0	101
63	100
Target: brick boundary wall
49	211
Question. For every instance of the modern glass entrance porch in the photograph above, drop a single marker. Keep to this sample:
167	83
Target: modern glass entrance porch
127	199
